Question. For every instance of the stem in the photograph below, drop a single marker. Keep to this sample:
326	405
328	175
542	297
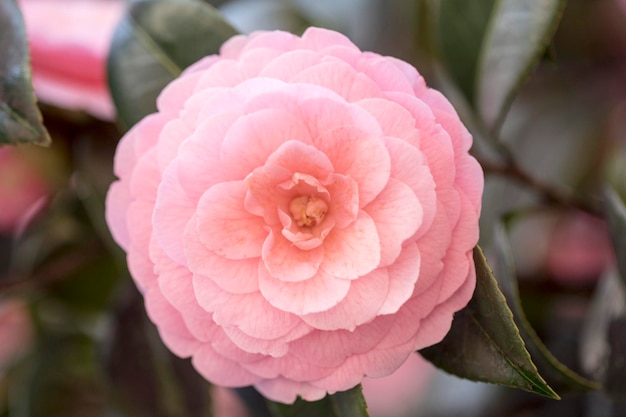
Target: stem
550	193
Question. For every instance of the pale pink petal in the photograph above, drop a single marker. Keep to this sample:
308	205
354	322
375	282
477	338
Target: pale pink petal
340	78
315	38
286	391
287	366
220	370
172	212
409	166
235	276
395	120
276	347
360	155
289	64
117	201
403	274
354	251
286	262
362	303
172	98
384	73
225	226
398	214
200	151
173	134
318	293
254	137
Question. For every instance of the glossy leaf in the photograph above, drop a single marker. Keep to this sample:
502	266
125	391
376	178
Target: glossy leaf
349	403
518	35
462	26
616	215
20	119
153	44
484	344
558	375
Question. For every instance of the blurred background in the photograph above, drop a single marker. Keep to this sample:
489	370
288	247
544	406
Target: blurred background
74	338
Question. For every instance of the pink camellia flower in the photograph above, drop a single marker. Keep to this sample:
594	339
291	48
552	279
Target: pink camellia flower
298	214
22	187
69	41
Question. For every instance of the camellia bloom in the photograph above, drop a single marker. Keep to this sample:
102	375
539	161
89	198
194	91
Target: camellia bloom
69	41
298	214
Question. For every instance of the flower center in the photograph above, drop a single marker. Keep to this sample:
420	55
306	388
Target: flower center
308	211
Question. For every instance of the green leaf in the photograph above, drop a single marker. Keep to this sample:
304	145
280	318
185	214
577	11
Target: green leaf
558	375
153	44
20	119
349	403
462	27
518	35
616	216
484	343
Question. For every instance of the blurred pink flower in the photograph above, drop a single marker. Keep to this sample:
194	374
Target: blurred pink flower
580	248
69	41
299	214
22	187
16	331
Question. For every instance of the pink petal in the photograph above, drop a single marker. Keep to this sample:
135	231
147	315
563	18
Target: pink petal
289	64
360	155
403	274
276	348
395	120
200	151
384	72
344	203
287	366
225	226
318	293
286	262
341	78
354	251
254	137
237	276
220	370
173	97
286	391
172	212
362	303
251	313
117	202
315	38
330	349
173	134
398	214
408	165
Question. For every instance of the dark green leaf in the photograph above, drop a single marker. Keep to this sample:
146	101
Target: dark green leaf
462	27
518	35
20	119
556	374
484	343
349	403
153	44
616	215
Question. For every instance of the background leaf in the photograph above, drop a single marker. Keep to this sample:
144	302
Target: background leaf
484	343
462	26
518	35
153	44
556	374
20	119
